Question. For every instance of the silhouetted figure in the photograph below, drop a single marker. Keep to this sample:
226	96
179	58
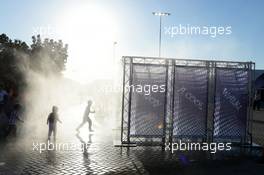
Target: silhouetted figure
12	120
257	101
86	117
52	120
3	96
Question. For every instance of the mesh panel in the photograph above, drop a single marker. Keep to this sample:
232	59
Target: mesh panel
183	107
190	101
231	103
148	105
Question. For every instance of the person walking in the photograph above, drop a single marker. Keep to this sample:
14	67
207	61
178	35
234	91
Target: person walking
86	117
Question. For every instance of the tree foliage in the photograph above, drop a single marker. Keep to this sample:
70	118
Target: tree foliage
47	57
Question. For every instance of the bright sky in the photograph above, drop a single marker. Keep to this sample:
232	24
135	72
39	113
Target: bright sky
90	27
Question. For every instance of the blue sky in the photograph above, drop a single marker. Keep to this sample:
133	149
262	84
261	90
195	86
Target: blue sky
136	29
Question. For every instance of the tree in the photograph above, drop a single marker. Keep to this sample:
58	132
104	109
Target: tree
48	56
45	57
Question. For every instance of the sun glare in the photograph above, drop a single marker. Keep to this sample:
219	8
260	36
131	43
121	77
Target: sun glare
90	32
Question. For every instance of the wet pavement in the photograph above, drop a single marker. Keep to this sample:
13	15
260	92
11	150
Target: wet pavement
95	153
100	156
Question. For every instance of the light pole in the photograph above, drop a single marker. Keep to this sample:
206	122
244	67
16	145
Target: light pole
114	51
160	14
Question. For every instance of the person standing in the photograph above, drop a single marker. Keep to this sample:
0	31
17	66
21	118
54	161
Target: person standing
12	120
257	101
52	120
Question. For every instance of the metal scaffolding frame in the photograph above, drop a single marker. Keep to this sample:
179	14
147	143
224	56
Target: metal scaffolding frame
171	64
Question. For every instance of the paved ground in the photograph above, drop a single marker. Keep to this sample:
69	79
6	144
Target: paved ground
101	157
258	127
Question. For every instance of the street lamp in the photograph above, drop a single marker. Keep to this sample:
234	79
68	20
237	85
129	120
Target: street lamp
160	14
114	51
